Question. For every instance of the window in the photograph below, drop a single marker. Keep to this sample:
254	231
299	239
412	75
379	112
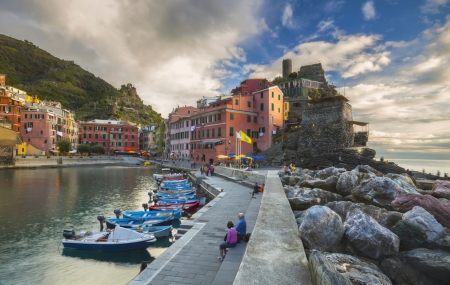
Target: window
132	130
126	143
119	144
25	116
262	106
96	136
132	143
262	94
187	146
279	97
249	104
84	135
187	122
132	137
90	128
219	117
219	132
262	120
212	132
104	136
260	84
255	119
272	95
273	106
203	133
262	130
103	143
114	136
207	133
248	132
84	128
279	110
120	136
249	118
231	131
42	132
231	116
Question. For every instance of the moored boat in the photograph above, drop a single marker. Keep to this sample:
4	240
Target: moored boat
117	240
187	207
157	231
111	223
148	215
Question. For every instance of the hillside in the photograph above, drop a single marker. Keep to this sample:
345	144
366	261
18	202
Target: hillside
37	72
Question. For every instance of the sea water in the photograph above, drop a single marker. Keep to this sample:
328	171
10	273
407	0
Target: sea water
430	166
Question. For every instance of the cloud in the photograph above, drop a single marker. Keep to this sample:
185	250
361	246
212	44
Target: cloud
325	25
171	51
286	18
333	6
368	10
432	6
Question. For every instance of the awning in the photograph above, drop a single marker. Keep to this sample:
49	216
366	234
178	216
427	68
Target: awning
73	151
54	151
211	141
359	123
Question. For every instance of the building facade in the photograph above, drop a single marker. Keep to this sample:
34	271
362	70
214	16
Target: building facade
10	103
179	131
147	139
114	136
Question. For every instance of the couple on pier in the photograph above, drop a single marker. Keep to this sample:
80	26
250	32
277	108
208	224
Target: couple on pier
233	236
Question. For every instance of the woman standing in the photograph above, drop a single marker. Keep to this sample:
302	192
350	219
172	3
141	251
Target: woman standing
229	242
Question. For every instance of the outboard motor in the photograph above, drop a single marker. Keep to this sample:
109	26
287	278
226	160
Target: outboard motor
68	234
150	194
156	199
145	206
102	220
117	212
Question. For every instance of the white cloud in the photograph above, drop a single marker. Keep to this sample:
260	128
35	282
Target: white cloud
368	10
286	18
432	6
324	25
333	6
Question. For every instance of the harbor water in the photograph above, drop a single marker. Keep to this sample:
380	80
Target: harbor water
36	205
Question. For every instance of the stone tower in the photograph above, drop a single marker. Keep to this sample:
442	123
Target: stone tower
312	71
287	67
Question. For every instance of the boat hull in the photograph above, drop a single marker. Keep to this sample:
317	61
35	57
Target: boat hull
150	215
111	223
107	246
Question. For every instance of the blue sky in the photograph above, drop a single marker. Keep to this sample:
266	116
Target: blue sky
392	55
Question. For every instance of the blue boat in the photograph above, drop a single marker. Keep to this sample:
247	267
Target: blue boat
149	215
117	240
111	223
157	231
176	187
176	196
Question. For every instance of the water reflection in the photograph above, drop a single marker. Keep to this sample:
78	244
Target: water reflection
130	257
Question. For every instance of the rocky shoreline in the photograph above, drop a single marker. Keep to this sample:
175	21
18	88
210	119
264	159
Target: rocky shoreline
366	227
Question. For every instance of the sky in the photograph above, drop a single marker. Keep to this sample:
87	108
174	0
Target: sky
391	57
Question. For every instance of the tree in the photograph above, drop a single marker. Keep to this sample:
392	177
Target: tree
98	149
64	145
293	75
277	80
84	148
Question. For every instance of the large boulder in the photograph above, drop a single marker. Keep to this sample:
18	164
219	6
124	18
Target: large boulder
328	184
445	201
410	234
442	243
323	272
370	238
385	218
401	273
302	177
425	221
356	270
434	263
369	170
350	180
304	198
321	228
432	205
330	171
441	189
404	182
378	191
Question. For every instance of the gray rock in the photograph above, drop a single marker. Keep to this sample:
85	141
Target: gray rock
426	221
401	273
404	182
370	238
385	218
350	180
369	170
324	272
445	201
328	184
298	214
321	228
434	263
378	191
442	243
330	171
304	198
410	234
356	270
441	189
302	177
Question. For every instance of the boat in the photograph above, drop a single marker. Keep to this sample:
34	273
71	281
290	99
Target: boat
117	240
157	231
111	223
182	201
146	163
187	207
175	196
164	171
148	215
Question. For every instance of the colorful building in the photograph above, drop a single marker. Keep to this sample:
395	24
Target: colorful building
10	103
179	131
114	136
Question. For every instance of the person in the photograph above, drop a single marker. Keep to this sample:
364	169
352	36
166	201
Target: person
201	170
286	170
143	266
446	175
255	190
241	227
211	170
382	159
230	241
261	189
206	170
171	171
409	172
290	167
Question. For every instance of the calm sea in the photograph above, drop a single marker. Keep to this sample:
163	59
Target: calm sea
430	166
37	205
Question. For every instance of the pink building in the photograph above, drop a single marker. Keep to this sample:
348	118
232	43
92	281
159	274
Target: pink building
179	131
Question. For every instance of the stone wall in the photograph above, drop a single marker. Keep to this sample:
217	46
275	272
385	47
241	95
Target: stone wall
6	155
313	72
361	138
326	126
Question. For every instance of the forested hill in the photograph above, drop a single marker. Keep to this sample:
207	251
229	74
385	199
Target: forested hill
37	72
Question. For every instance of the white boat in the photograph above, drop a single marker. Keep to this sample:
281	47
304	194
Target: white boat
117	240
165	171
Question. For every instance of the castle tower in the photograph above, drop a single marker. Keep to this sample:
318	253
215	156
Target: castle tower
287	67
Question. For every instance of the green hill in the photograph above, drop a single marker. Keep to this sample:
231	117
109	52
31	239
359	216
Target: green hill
37	72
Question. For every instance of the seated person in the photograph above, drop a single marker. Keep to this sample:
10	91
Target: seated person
241	227
261	189
229	242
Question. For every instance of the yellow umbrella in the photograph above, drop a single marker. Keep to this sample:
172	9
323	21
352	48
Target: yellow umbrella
221	156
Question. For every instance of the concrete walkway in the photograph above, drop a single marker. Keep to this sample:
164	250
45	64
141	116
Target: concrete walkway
197	261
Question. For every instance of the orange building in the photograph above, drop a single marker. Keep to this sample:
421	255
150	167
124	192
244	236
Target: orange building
10	103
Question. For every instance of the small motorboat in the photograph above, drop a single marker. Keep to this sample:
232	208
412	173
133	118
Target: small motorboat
157	231
187	207
182	201
148	215
119	239
176	196
146	163
111	223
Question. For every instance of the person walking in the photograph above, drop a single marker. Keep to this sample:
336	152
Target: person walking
241	227
201	170
206	170
211	170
